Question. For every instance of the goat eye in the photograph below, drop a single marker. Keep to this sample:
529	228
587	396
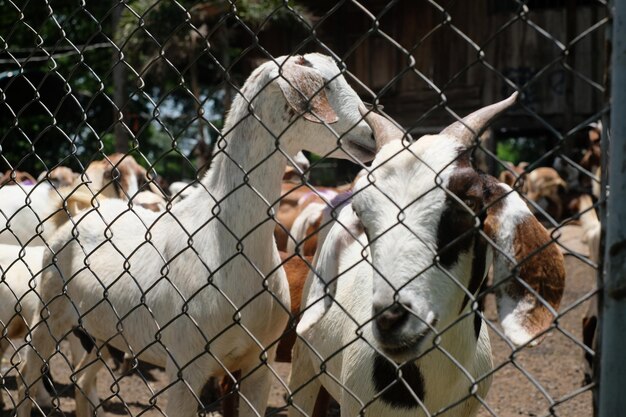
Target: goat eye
472	203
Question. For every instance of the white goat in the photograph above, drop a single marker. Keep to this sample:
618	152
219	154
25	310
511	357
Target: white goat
400	334
202	292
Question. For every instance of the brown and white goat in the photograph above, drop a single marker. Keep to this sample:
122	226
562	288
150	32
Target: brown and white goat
392	325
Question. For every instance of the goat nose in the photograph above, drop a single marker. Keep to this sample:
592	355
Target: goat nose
390	318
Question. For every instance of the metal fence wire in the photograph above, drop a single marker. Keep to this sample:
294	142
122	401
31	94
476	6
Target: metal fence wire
167	249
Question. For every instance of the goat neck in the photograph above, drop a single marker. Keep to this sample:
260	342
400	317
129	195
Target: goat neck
245	175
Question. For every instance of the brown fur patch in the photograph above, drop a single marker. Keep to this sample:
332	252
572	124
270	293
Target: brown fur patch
542	268
310	244
62	176
116	173
17	328
540	263
297	271
288	209
493	195
454	234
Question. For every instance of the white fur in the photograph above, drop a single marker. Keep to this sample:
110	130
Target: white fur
301	161
343	337
596	185
179	190
195	247
591	227
21	269
25	212
150	200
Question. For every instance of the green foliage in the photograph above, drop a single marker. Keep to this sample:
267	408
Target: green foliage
519	149
56	64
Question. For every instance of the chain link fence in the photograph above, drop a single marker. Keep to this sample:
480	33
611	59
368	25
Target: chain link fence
428	263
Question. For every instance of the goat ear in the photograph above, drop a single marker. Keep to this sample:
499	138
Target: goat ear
322	280
529	270
303	88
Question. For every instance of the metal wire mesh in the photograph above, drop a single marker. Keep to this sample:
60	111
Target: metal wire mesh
151	170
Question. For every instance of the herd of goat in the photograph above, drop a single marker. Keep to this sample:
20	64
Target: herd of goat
385	276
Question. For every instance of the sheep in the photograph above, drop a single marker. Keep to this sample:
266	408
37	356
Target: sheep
391	325
207	295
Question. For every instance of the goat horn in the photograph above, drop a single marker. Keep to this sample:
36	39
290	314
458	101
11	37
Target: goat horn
384	129
467	129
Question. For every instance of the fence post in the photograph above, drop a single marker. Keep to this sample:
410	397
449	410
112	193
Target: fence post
613	362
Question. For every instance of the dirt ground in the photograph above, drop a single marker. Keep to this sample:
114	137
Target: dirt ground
542	381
